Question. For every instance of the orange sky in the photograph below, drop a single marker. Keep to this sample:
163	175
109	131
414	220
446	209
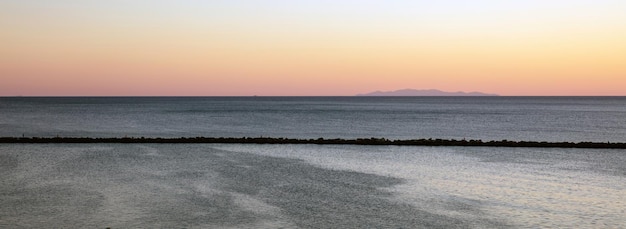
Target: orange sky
238	47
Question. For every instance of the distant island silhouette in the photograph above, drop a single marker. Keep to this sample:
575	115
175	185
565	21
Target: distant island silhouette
429	92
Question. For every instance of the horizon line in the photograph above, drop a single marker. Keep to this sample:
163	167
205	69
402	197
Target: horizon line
358	95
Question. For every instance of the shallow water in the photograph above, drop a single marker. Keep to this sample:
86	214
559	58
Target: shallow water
308	186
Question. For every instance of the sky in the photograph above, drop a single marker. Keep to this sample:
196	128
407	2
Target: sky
310	48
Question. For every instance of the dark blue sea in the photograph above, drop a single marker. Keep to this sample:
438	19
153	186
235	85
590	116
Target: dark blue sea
312	186
576	119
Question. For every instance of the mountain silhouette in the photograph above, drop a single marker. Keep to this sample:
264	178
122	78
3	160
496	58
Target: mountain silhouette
429	92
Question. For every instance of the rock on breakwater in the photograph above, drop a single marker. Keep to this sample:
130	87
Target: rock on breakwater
322	141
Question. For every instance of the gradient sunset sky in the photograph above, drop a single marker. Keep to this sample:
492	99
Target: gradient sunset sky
322	47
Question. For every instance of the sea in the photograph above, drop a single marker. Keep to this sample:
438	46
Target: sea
312	186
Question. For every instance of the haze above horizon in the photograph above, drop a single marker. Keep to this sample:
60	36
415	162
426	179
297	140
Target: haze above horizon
308	48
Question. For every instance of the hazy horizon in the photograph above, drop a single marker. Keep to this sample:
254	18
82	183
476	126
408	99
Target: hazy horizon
311	48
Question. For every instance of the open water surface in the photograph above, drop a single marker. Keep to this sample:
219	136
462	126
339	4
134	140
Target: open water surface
312	186
308	186
598	119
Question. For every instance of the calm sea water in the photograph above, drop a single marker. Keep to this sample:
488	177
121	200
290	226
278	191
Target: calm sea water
308	186
313	186
488	118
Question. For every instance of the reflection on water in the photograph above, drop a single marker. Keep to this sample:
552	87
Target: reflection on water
308	186
172	186
523	187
